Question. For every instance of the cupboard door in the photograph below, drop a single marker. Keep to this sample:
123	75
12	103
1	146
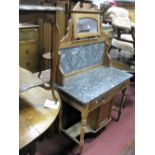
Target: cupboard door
100	116
104	113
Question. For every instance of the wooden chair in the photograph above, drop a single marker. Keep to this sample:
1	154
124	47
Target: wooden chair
123	32
85	79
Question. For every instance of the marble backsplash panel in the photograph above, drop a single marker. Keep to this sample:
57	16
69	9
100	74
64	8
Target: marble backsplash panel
76	58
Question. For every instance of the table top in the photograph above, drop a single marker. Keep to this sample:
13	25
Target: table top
27	80
27	25
39	8
90	85
34	118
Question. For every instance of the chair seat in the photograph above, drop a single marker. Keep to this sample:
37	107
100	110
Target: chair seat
89	85
127	37
123	23
122	45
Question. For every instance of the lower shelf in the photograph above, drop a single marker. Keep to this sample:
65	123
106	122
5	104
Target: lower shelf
74	131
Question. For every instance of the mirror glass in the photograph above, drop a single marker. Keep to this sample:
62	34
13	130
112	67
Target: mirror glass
85	25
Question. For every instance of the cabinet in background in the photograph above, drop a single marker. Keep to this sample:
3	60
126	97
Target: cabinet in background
29	53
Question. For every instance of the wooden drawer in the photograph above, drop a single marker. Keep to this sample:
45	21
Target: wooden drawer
29	56
28	34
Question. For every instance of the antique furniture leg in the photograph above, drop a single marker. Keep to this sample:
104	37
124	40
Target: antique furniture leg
124	97
122	104
84	115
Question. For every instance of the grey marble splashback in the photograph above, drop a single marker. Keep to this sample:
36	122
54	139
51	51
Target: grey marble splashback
76	58
89	85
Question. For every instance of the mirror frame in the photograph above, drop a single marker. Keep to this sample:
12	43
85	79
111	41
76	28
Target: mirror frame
77	16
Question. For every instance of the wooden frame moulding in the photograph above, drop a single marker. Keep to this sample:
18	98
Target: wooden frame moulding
71	40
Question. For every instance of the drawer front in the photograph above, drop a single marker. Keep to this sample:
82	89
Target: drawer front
29	56
28	34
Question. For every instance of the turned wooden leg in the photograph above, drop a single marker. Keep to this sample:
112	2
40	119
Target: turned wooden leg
84	115
122	104
123	98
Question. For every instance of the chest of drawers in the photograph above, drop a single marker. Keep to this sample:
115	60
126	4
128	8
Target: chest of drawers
29	55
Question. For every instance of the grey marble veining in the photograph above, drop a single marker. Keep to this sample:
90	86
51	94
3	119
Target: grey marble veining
87	86
75	58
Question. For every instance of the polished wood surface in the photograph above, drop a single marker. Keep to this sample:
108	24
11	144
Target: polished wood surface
34	118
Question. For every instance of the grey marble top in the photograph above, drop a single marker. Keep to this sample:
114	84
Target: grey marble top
89	85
